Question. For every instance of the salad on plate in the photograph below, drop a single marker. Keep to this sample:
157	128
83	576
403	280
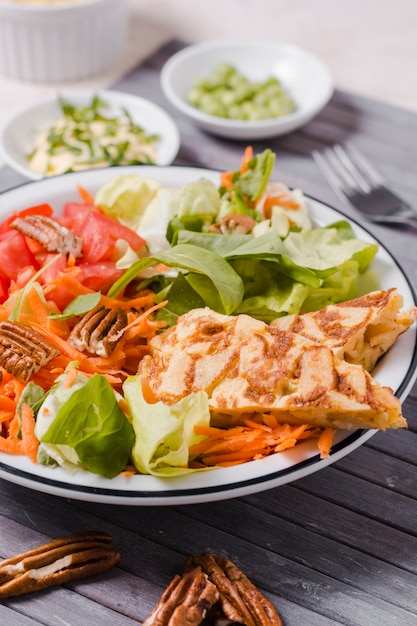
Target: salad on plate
86	288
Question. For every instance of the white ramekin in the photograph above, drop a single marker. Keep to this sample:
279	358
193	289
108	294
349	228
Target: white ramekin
62	41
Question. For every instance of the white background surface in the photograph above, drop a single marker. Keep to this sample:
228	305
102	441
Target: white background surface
370	46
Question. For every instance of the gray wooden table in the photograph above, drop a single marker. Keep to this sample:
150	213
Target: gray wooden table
336	547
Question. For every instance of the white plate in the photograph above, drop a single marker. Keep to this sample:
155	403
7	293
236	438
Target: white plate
398	369
306	78
19	131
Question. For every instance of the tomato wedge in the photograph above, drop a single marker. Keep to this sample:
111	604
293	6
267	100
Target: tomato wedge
15	254
100	233
39	209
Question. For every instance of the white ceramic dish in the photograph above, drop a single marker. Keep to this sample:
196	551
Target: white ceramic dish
304	76
61	41
398	369
18	132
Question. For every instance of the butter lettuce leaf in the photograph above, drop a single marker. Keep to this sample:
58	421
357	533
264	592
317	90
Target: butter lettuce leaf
323	249
126	197
82	427
199	199
164	434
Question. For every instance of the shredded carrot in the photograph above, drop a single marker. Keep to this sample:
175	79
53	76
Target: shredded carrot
139	320
130	470
30	442
284	200
6	416
240	444
247	156
7	404
85	195
148	393
71	377
325	442
123	405
226	179
62	345
11	443
38	306
71	260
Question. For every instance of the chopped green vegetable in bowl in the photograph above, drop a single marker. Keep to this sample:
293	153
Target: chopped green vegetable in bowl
227	93
90	135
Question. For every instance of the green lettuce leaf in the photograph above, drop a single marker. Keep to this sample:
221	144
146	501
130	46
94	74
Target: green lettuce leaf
80	305
82	427
126	198
199	199
213	271
252	183
164	434
324	250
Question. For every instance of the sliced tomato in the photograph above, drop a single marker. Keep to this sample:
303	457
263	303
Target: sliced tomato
100	233
14	254
39	209
24	276
4	290
75	213
99	276
54	269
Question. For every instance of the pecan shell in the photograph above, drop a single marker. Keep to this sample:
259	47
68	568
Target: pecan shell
57	562
239	601
185	602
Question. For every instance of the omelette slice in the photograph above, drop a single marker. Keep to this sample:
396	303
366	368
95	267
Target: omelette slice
247	367
358	331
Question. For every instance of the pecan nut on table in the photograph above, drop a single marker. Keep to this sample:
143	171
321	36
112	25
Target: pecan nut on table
56	562
212	587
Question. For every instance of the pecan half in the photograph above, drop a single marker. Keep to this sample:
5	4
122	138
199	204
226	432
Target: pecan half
99	330
53	236
23	350
57	562
185	601
240	601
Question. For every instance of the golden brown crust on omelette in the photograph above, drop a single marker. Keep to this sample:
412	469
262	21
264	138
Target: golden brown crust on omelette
358	331
246	366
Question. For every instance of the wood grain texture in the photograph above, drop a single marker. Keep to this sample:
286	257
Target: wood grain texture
336	547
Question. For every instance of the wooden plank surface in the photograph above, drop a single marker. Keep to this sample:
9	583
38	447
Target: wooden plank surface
336	547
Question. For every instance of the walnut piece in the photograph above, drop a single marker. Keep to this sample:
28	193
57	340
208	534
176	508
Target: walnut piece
185	602
23	350
57	562
239	601
53	236
99	330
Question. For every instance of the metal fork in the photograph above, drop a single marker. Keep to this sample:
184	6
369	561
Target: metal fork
354	179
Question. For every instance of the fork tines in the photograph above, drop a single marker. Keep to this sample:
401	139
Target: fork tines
348	170
354	179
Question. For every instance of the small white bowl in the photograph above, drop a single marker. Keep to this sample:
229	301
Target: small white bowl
304	76
61	41
18	133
